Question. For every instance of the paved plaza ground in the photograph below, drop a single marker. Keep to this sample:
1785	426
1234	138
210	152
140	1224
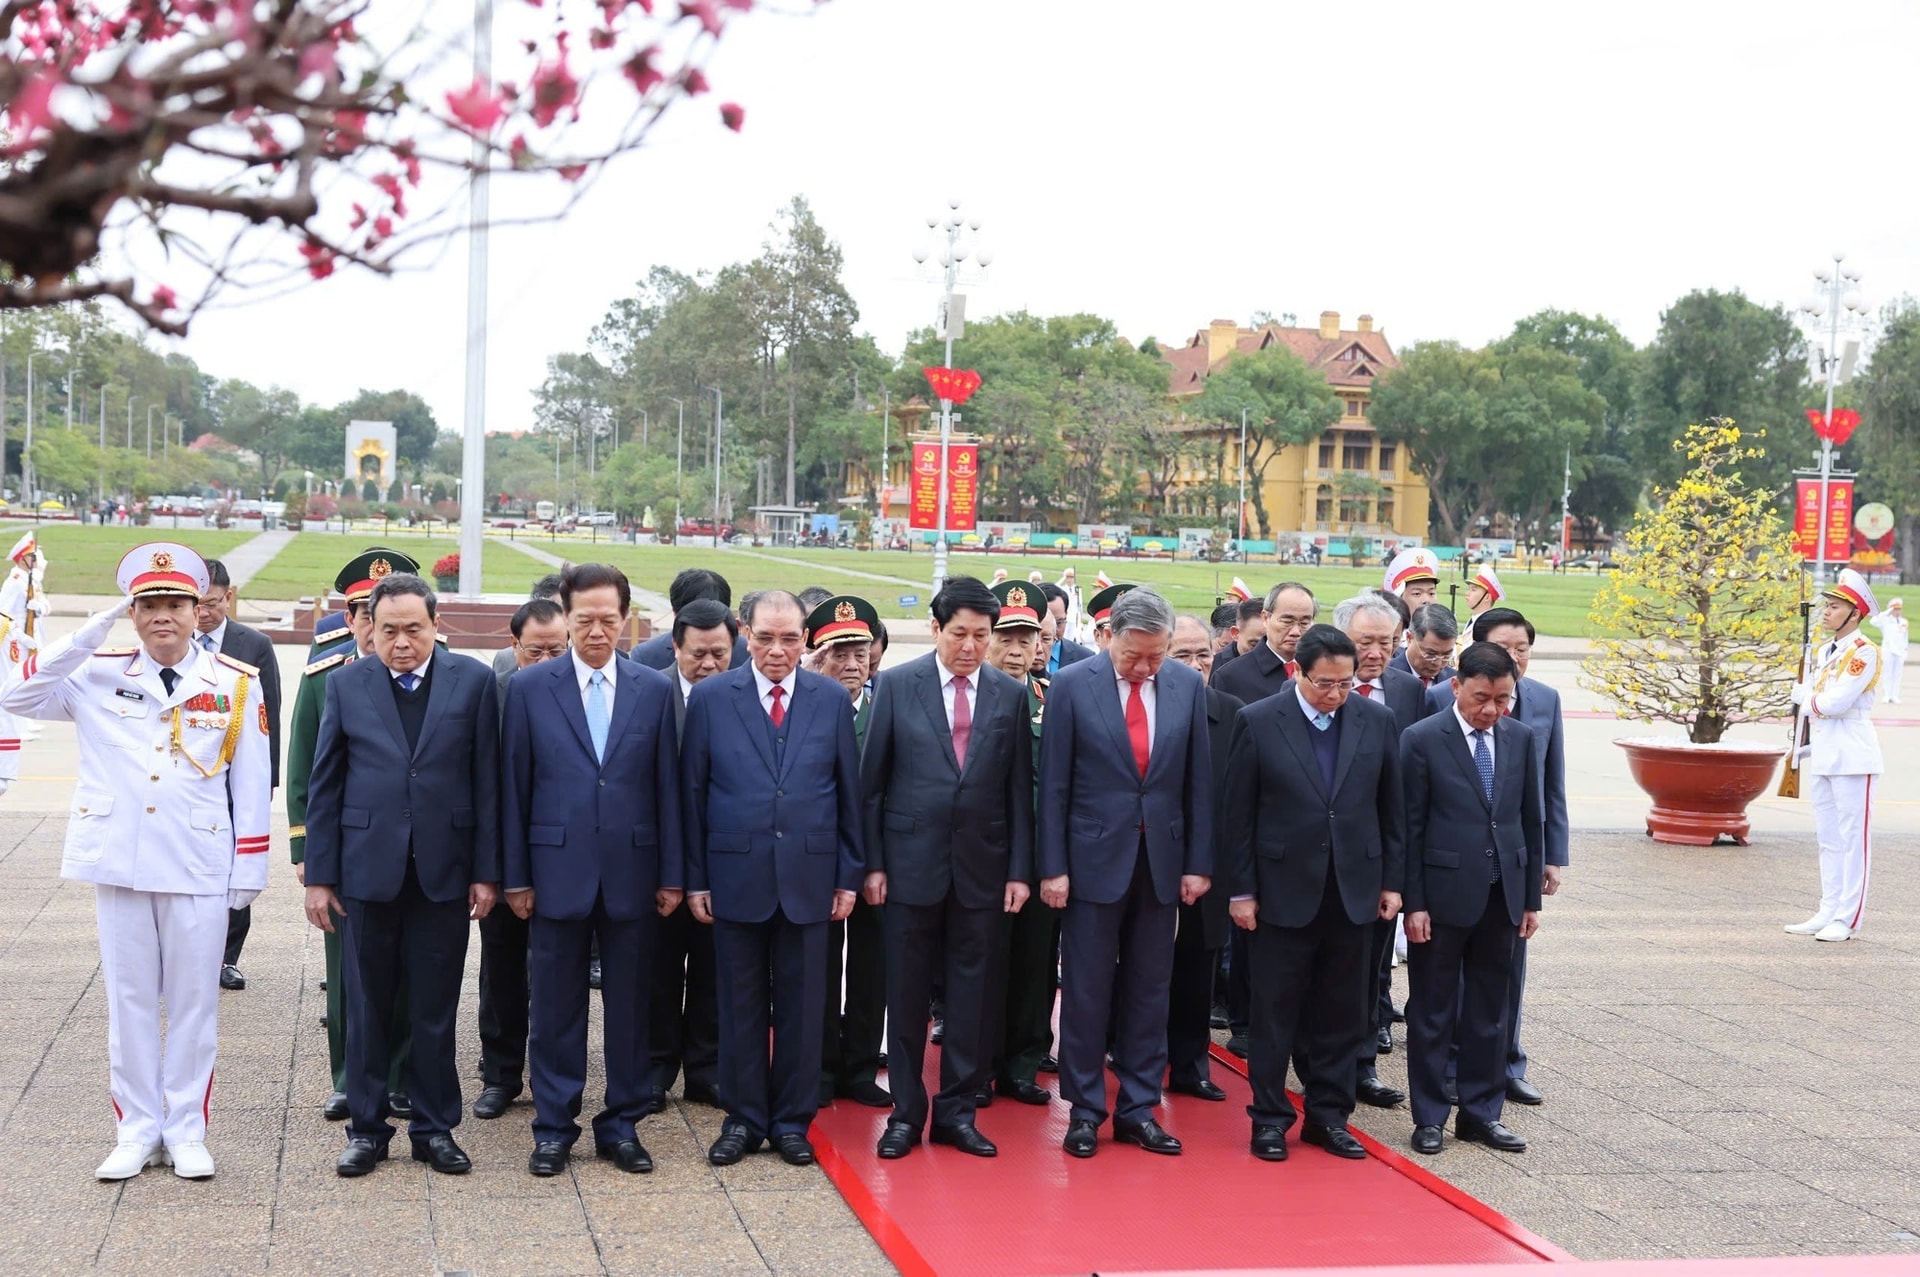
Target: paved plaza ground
1714	1086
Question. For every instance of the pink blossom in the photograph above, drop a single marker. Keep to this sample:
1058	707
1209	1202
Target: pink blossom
640	70
707	11
319	259
600	38
165	298
573	172
31	110
383	227
319	58
479	107
733	115
694	81
554	90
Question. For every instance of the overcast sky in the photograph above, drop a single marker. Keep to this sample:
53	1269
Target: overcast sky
1447	168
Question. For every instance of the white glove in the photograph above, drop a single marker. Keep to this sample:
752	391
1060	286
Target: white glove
38	605
237	899
1802	692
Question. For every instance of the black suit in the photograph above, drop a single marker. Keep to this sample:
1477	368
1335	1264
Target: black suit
1317	880
1406	696
244	643
402	818
1474	866
949	836
1400	662
657	652
505	988
683	1028
1255	676
1203	930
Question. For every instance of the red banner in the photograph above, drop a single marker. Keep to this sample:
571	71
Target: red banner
963	486
923	487
1839	520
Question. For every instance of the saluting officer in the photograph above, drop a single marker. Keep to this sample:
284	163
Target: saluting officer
170	822
355	583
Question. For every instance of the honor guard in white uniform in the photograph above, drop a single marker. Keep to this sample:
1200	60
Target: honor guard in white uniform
1415	576
12	653
1842	754
23	601
1892	625
169	821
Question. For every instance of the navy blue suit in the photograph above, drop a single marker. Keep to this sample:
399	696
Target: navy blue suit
657	652
1124	843
1401	663
771	825
402	817
594	838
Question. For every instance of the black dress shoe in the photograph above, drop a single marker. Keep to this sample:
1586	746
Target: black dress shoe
697	1093
1426	1139
966	1137
1204	1089
1147	1135
1337	1140
983	1098
493	1101
734	1143
1383	1041
794	1150
400	1105
866	1091
630	1156
443	1155
826	1093
1217	1019
938	1033
1492	1134
593	974
335	1109
1238	1045
1450	1090
1521	1091
897	1141
359	1157
1048	1064
1023	1091
1371	1090
230	977
1399	1016
323	984
549	1159
1269	1143
1083	1138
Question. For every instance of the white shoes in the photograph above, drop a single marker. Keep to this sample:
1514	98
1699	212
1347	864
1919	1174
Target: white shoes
1834	931
1812	926
129	1158
191	1161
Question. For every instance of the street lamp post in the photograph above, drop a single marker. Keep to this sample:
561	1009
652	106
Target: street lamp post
26	454
679	460
719	423
1836	283
951	321
1242	521
163	425
646	425
886	419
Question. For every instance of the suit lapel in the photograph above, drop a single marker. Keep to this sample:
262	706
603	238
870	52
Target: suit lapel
1169	730
566	692
1463	754
1350	730
1294	728
806	703
1506	751
377	677
1106	698
933	700
626	698
439	694
746	703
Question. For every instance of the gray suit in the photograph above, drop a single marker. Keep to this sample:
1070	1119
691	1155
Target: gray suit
949	836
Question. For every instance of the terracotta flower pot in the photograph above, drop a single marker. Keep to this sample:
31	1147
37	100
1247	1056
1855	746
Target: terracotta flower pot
1700	792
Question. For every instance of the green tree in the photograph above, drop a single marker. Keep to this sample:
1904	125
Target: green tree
1888	443
1287	404
1607	482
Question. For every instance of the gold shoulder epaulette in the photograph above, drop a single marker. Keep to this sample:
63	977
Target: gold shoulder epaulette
441	639
325	663
115	651
242	666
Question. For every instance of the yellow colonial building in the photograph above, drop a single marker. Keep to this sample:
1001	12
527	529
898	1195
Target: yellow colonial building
1347	483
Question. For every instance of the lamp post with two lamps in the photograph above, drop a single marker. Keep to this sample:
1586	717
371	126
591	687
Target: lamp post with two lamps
1840	299
952	323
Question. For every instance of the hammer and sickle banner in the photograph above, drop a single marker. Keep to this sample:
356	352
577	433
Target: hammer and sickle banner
963	486
1838	520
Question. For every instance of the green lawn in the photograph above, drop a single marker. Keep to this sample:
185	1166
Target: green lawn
83	560
308	564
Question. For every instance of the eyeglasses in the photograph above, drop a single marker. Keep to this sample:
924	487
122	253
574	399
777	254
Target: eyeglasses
1329	684
543	653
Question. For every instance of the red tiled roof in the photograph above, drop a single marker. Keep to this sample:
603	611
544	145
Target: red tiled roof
1190	364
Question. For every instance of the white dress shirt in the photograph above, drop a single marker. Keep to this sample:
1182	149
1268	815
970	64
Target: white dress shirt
1470	729
1313	715
420	673
686	688
218	634
1148	696
766	686
946	691
584	673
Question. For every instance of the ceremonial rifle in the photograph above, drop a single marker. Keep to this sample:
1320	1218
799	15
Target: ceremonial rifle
1790	774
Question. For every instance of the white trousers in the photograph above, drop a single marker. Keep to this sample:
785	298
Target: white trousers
1890	668
1843	821
157	946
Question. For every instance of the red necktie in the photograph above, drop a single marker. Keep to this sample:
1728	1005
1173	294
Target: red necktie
962	721
1137	727
1288	667
1366	690
779	712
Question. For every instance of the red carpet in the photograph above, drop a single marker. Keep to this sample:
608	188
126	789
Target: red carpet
1035	1210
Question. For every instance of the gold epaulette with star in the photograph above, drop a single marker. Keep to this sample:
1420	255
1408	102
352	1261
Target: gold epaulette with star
252	671
115	651
325	663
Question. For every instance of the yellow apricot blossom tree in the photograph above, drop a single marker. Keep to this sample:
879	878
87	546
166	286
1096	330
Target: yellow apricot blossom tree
1699	625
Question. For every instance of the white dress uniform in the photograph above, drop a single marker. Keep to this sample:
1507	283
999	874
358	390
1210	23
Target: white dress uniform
23	601
1893	652
169	821
13	652
1842	755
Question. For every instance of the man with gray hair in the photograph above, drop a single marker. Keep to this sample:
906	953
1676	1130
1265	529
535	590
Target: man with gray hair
1432	635
1124	837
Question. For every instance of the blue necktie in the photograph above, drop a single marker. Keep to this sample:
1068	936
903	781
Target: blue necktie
408	682
1323	720
597	713
1483	760
206	641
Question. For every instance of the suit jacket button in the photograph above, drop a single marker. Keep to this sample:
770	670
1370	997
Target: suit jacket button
406	815
779	793
603	784
778	834
412	772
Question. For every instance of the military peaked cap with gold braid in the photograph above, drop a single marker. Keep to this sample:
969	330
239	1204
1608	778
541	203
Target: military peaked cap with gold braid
842	619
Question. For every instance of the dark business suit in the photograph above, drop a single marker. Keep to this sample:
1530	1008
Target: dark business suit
683	1012
949	836
1317	879
856	1011
1255	676
1400	662
594	836
1538	706
402	817
504	987
244	643
1124	842
1406	696
657	652
771	820
1031	939
1474	866
1202	931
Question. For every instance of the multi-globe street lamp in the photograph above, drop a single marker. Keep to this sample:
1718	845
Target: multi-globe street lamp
1840	306
951	254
